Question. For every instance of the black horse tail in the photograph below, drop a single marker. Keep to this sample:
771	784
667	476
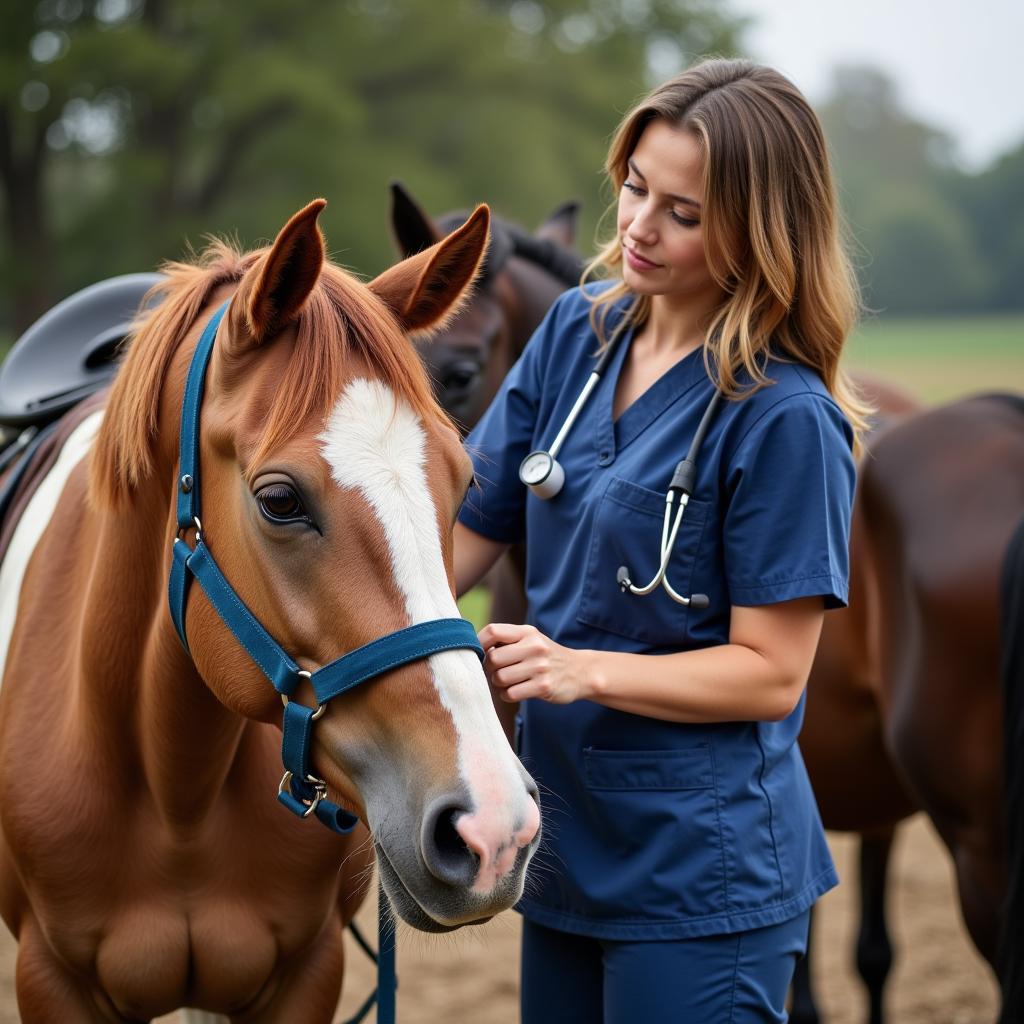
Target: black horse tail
1011	953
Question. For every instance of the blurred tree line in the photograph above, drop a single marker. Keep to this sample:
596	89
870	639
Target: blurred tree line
928	237
130	127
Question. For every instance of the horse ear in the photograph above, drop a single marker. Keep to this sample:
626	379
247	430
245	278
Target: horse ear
282	280
413	230
423	290
560	226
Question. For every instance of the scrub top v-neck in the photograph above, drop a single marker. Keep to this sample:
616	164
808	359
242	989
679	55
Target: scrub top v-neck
661	830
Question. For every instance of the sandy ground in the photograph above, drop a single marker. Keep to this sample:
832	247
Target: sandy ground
471	977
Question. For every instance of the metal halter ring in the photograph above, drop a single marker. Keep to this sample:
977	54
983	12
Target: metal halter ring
319	787
320	708
199	530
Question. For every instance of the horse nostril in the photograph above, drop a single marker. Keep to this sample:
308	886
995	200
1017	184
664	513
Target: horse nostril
445	853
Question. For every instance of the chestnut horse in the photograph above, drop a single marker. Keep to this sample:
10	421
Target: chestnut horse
145	862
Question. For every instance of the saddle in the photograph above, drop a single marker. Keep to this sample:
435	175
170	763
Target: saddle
68	354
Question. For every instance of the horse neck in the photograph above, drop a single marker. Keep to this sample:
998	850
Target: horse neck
136	679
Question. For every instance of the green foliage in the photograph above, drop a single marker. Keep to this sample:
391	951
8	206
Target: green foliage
130	128
135	125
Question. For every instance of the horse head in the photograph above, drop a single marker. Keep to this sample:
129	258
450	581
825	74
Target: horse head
330	485
522	275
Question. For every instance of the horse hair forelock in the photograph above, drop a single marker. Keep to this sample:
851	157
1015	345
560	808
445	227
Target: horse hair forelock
340	315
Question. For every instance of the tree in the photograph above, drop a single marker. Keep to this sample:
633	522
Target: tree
127	126
927	236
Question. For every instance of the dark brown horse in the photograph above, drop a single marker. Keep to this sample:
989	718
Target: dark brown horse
943	506
905	709
521	277
853	759
145	861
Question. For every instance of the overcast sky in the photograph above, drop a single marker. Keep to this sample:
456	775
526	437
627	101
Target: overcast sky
959	64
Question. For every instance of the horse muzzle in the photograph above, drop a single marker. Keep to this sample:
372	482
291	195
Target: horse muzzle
464	868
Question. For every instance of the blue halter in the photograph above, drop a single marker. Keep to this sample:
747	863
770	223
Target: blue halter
300	791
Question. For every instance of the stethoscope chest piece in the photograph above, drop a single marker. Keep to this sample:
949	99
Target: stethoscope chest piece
542	473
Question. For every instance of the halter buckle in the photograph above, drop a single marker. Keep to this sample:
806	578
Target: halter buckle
319	790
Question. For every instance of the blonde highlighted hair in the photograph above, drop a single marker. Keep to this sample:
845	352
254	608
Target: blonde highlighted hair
770	223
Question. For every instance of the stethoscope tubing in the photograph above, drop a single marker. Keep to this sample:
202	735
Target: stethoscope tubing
683	479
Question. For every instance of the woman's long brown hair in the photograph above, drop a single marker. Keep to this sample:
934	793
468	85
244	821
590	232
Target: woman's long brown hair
770	221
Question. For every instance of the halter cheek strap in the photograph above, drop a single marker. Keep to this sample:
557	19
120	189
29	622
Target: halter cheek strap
300	791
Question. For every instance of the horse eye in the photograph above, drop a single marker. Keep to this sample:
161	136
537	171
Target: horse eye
460	376
280	504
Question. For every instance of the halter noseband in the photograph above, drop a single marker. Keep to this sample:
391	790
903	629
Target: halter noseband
300	791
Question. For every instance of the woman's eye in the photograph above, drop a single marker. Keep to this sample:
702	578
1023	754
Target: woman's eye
280	504
687	222
635	189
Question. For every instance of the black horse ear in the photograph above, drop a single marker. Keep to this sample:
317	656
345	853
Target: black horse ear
413	230
560	227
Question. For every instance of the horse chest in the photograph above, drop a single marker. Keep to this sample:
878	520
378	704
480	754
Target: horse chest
152	958
157	925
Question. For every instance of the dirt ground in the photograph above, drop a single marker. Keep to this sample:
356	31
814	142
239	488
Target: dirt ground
471	977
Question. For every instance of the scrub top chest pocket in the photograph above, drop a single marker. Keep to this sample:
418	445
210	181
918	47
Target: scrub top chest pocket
627	531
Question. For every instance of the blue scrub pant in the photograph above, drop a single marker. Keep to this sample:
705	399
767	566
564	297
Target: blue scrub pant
722	979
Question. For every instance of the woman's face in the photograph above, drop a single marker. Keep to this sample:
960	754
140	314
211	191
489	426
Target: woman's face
659	217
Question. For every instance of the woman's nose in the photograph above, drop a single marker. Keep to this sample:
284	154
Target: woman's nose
641	228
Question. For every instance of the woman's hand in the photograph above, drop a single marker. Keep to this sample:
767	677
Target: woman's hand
522	662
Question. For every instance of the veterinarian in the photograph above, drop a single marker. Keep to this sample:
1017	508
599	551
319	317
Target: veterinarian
660	677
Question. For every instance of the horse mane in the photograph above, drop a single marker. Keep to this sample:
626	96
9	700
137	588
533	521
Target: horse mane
341	316
509	239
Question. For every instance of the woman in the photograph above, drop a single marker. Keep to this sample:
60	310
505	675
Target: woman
684	848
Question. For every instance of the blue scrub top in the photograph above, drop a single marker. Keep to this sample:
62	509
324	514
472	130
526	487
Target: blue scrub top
654	829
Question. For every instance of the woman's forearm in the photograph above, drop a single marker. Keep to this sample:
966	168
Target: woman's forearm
758	676
728	682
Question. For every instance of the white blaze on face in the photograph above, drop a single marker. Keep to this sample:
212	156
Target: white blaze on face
378	447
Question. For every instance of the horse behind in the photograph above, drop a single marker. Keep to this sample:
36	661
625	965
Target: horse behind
943	502
145	863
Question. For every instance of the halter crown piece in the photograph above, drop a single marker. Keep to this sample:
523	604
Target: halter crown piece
300	791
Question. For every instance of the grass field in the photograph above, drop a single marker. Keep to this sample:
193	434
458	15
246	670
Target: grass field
937	359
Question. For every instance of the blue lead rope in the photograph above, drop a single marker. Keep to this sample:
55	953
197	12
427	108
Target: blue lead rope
300	791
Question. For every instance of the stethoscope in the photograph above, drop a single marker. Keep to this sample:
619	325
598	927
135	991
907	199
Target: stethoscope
543	474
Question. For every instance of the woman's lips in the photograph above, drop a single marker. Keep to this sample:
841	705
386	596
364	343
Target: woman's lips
638	262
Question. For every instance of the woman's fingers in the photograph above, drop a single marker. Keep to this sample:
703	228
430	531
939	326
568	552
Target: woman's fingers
501	633
520	672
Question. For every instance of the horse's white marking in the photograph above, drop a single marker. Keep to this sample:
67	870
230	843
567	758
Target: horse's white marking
34	521
377	446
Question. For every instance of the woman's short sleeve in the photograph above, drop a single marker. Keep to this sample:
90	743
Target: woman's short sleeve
496	506
789	493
